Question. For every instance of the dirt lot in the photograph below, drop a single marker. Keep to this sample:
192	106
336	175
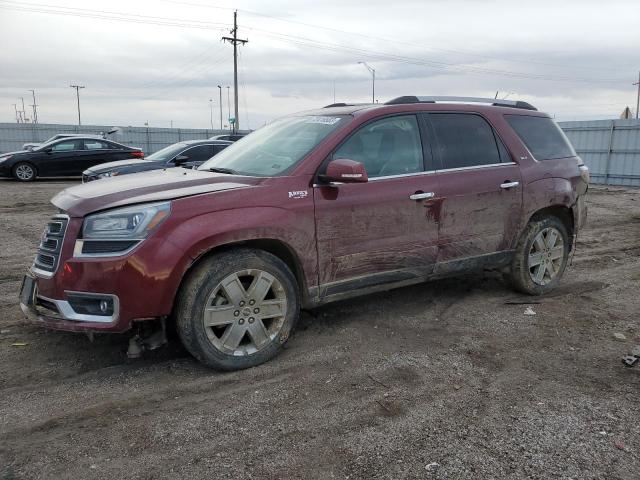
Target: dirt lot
380	387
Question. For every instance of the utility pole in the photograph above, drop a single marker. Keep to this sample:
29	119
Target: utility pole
638	97
220	92
373	73
15	107
78	87
35	111
235	41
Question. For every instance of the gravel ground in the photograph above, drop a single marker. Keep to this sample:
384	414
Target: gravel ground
442	380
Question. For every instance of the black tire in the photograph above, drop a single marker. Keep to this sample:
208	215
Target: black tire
21	171
520	274
205	281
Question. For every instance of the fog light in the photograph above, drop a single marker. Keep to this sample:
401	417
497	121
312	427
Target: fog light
89	304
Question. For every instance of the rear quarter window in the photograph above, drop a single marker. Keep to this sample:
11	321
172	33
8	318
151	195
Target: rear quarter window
542	136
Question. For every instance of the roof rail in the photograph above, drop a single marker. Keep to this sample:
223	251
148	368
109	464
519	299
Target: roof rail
341	104
491	101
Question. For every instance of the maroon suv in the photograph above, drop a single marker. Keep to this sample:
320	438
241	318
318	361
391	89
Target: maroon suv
312	208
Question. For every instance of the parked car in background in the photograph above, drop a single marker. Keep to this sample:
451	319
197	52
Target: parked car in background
188	154
233	137
31	146
66	157
310	209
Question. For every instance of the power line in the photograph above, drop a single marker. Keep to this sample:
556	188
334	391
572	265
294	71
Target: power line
303	41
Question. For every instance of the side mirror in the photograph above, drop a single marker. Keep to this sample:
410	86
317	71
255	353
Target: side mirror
180	159
343	170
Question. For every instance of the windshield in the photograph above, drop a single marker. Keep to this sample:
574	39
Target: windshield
167	153
276	147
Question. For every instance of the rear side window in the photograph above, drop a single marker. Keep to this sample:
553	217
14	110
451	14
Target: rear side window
542	136
464	140
201	153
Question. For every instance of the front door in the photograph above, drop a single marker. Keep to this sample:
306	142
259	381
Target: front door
480	190
62	157
384	230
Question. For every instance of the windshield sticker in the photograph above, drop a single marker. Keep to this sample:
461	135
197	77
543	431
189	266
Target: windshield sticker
323	120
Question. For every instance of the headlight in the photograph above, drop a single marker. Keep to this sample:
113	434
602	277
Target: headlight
111	173
135	222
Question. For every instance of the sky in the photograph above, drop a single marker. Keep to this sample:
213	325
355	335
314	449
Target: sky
160	62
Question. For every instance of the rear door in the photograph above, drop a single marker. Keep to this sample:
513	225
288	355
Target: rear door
95	152
479	189
384	230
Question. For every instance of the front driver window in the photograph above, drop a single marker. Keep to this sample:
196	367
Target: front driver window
386	147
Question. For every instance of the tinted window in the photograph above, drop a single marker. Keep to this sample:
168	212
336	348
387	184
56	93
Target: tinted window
218	148
95	145
390	146
542	136
66	146
464	140
200	153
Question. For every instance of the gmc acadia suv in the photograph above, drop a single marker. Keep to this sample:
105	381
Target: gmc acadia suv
312	208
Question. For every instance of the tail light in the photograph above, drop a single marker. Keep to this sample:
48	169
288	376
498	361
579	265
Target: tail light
137	154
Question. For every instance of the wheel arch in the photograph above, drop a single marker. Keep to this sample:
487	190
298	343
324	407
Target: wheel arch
562	213
276	247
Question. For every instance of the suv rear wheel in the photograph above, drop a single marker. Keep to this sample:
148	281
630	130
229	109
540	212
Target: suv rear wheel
541	257
237	309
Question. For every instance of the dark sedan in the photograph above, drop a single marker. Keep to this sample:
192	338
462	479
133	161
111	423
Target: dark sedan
188	154
66	157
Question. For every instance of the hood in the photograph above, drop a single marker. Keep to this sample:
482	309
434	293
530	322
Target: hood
105	167
153	186
19	152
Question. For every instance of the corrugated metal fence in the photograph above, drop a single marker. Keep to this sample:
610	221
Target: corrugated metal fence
14	135
610	148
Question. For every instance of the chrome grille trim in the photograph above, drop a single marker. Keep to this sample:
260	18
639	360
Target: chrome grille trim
48	256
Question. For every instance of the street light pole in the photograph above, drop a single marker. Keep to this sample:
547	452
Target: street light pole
229	107
373	84
638	96
211	112
220	92
78	87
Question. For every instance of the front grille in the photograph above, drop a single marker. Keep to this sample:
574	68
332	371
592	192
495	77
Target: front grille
48	255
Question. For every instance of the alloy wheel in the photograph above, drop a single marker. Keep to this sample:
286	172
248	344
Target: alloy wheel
245	312
24	172
546	256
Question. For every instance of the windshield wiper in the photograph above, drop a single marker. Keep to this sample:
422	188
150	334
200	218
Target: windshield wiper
222	170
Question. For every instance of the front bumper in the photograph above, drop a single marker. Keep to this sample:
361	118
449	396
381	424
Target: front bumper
141	285
61	314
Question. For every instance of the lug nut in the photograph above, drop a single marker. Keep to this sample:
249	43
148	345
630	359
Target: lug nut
251	302
236	313
241	321
251	319
241	303
256	310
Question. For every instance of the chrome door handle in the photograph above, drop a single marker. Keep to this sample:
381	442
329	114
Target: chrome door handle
421	196
508	185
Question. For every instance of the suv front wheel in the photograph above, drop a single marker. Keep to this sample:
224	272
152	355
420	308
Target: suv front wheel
541	257
237	309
